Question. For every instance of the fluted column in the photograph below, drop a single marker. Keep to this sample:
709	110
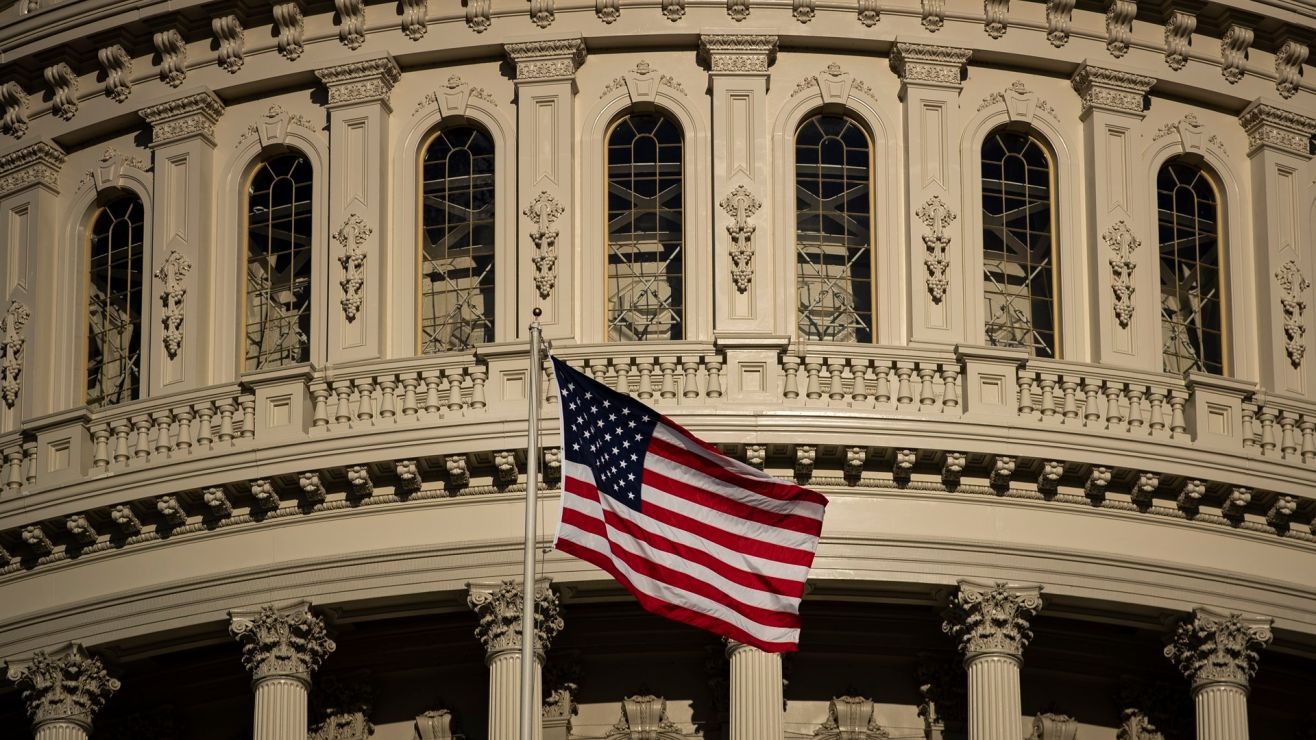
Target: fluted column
1219	653
756	695
63	689
281	647
990	621
499	607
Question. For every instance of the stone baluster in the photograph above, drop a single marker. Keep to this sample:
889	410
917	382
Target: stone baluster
756	692
499	607
990	621
63	690
282	647
1218	653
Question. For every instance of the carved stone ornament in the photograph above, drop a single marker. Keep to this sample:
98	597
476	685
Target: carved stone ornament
1119	26
452	98
273	127
868	13
644	718
282	642
943	688
108	172
992	618
1233	51
498	606
192	115
38	164
230	37
936	216
118	68
1136	725
542	12
934	14
833	85
851	718
607	11
1288	67
732	52
543	212
561	686
1122	243
737	10
674	10
741	205
803	10
1179	27
291	24
642	84
63	84
340	709
368	81
352	23
171	47
352	236
1019	102
11	362
546	60
479	15
14	100
1059	14
1212	648
925	64
996	17
1052	726
1292	301
435	724
64	685
1193	138
1268	126
173	271
1111	90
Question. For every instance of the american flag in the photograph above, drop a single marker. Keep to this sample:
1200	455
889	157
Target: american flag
694	535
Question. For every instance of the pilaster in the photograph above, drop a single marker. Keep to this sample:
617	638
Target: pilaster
359	168
1124	263
63	690
498	606
282	647
1218	653
1278	153
179	302
930	84
757	705
743	279
546	129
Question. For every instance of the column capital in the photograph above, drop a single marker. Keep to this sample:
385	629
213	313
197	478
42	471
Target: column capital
280	642
36	164
366	81
1111	90
183	118
499	607
65	685
737	53
546	60
1212	648
992	618
928	65
1269	126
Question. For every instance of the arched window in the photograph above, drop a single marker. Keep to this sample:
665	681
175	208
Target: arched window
278	305
1192	322
457	241
646	229
114	302
833	230
1018	244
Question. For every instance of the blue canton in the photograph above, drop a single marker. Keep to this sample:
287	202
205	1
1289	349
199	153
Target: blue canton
605	430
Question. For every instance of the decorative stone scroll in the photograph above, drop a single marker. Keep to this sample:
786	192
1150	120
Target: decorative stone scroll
674	10
171	47
1212	648
868	13
64	685
38	164
644	718
607	11
552	59
282	642
542	12
1288	66
732	52
499	609
1059	14
1111	90
1119	26
992	618
352	236
192	115
737	10
118	68
352	23
936	216
291	24
1293	287
933	13
172	272
14	100
996	17
542	212
1233	51
851	718
435	724
369	81
63	84
1122	243
741	205
479	15
11	362
1179	27
231	38
1268	126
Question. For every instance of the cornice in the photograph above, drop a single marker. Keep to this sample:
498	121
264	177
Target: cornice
190	116
1269	126
36	164
367	81
546	59
1111	90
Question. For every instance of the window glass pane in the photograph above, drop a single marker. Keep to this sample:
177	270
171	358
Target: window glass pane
1191	306
646	230
114	310
278	319
833	232
457	241
1017	256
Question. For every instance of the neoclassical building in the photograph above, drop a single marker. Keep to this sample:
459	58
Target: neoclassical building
1022	287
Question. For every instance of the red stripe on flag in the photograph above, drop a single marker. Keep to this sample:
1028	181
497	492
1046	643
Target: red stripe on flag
749	479
794	522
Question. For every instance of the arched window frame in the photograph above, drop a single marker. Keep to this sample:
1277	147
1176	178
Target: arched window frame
108	198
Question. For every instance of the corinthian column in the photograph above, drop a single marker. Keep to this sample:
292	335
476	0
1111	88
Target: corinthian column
281	647
756	697
499	607
63	689
990	621
1218	653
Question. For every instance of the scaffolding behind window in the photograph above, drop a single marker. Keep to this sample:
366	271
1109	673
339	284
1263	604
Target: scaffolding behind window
1192	325
278	307
114	303
1018	249
457	241
646	293
833	233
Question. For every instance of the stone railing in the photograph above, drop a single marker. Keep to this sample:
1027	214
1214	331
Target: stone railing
378	394
660	374
145	432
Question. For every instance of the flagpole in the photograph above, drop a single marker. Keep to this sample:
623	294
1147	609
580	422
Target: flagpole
528	569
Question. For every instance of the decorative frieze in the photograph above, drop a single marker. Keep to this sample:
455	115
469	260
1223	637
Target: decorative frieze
741	205
369	81
192	115
117	66
37	164
64	685
1212	648
936	216
1111	90
1122	244
1119	26
989	618
479	15
1269	126
63	84
1292	300
925	64
172	272
543	12
1288	66
553	59
996	17
1144	488
351	22
11	361
1179	27
868	13
352	236
644	717
231	38
498	606
725	52
933	14
283	642
291	25
542	213
14	101
1059	14
1233	51
171	47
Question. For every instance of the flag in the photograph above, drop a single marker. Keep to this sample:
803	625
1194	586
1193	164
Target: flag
694	535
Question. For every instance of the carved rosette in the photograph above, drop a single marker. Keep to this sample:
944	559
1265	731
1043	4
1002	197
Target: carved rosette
352	237
498	606
172	273
284	642
936	216
1213	648
741	205
992	619
11	362
543	212
66	685
1122	243
1293	287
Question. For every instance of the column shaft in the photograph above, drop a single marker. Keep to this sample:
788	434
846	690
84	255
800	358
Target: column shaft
505	697
1221	712
61	731
994	701
280	709
756	696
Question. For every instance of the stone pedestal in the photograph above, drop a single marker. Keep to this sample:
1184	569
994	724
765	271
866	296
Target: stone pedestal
756	692
63	689
1219	653
281	647
499	608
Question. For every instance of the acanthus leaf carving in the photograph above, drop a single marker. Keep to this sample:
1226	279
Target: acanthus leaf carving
14	100
172	49
65	684
360	82
286	641
414	18
11	363
1113	90
928	64
996	17
1293	303
936	216
674	10
804	10
498	605
118	67
63	84
851	718
190	115
37	164
288	18
1122	243
1269	126
1233	51
352	236
1059	15
228	32
351	22
992	618
644	717
542	212
479	15
1119	26
1288	67
869	12
607	11
172	272
543	12
934	14
1213	648
741	205
340	708
1179	27
738	10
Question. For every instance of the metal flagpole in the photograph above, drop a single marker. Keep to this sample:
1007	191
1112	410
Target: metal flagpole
528	571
